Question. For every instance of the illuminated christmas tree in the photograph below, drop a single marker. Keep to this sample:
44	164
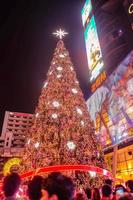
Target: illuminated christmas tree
62	133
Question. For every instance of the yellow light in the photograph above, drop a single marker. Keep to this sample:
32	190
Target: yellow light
130	9
9	164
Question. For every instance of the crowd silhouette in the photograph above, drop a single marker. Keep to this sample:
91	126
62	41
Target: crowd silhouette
60	187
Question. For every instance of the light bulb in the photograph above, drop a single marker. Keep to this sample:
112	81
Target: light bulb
61	56
45	84
28	141
74	91
79	111
37	145
82	122
59	68
59	76
54	116
92	174
37	114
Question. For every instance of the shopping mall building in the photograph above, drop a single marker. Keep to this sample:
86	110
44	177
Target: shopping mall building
108	33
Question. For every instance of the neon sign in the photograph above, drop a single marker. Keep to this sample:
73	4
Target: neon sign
130	9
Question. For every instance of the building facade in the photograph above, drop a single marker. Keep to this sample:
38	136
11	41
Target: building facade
111	104
14	132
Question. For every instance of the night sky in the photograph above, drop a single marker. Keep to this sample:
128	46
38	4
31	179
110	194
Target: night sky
27	45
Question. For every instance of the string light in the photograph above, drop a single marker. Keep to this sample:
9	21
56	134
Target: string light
59	76
61	55
37	144
59	68
79	111
82	122
54	116
50	73
71	68
37	114
45	84
74	91
92	174
28	141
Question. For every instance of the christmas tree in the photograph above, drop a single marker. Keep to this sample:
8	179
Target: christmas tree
62	133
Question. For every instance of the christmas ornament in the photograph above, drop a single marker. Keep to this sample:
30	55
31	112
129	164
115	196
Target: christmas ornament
56	104
71	145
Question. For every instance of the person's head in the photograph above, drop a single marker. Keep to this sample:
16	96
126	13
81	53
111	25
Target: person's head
57	187
120	189
129	185
80	196
106	191
11	184
108	182
88	193
96	194
34	188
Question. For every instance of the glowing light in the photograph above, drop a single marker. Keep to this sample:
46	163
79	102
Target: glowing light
53	62
76	82
45	84
130	86
28	141
105	172
59	68
61	55
79	111
11	113
56	104
59	76
9	164
54	116
37	144
37	114
71	68
50	73
82	123
74	91
59	168
60	33
71	145
92	174
130	9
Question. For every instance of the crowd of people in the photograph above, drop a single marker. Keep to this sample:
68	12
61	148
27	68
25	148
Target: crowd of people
60	187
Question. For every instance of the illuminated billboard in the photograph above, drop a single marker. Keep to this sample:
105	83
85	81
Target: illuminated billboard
86	11
94	55
111	106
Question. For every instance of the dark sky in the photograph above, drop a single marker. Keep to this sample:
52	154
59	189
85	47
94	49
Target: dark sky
27	45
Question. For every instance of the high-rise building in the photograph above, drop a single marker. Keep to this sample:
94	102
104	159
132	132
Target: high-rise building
108	32
14	130
114	20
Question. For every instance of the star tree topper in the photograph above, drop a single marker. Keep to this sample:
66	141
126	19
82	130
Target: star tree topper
60	33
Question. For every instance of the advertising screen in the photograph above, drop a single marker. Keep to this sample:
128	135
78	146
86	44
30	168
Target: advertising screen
94	54
97	73
111	106
86	11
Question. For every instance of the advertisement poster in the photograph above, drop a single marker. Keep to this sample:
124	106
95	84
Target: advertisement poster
94	54
86	11
111	106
